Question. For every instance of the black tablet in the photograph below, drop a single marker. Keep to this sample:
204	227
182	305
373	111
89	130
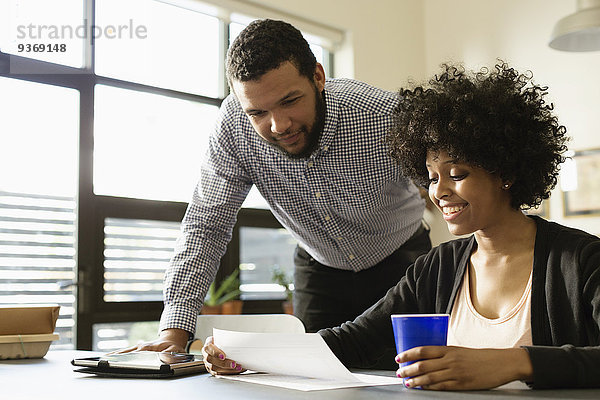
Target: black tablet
141	364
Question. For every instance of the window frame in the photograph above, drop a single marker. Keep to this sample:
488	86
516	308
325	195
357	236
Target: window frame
92	209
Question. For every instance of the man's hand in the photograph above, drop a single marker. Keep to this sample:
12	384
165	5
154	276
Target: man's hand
216	362
172	340
459	368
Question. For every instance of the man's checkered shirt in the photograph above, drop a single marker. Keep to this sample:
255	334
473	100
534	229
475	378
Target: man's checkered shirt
347	204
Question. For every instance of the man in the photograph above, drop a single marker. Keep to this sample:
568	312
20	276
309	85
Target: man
314	149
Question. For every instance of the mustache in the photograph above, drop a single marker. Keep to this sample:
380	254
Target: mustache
289	133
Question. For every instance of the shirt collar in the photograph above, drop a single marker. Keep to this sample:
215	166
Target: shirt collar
330	125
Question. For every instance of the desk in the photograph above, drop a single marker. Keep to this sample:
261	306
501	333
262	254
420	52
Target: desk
53	378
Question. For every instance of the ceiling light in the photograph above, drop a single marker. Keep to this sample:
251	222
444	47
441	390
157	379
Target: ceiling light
579	31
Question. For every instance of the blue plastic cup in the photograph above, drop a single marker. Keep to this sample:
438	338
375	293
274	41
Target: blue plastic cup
415	330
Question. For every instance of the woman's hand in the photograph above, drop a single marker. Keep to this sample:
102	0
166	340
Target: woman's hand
460	368
216	361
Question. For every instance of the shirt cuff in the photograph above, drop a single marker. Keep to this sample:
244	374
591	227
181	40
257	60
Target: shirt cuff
179	317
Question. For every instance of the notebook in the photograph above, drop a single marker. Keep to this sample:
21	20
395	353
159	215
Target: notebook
142	364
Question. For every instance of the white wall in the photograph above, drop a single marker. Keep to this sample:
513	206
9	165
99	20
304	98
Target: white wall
390	41
371	51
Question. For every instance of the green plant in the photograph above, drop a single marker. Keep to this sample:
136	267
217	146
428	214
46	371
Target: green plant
229	289
279	276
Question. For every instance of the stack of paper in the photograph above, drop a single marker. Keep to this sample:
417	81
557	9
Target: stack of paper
300	361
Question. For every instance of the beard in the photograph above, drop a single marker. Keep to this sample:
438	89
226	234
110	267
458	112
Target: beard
312	135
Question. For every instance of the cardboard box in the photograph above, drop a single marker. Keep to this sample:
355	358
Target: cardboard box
26	331
25	346
28	319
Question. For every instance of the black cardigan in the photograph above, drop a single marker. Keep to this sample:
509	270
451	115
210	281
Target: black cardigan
565	306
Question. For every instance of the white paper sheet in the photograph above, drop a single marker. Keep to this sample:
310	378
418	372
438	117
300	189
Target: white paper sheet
300	361
310	384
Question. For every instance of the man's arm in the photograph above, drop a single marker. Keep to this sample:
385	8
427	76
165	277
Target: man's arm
206	230
207	226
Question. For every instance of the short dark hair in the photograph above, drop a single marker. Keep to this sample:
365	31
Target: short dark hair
263	46
494	119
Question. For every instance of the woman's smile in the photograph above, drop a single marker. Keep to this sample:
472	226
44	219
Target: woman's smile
452	211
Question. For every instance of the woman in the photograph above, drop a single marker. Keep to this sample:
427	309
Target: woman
523	293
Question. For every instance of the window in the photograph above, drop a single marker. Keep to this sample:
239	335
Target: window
147	146
151	30
40	22
136	253
113	336
101	145
262	250
38	157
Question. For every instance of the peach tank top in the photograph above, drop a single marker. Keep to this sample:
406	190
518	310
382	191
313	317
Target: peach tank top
468	328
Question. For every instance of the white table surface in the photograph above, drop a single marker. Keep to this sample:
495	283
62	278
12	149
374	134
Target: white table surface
53	378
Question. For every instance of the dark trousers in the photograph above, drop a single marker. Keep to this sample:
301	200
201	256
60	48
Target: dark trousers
325	297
